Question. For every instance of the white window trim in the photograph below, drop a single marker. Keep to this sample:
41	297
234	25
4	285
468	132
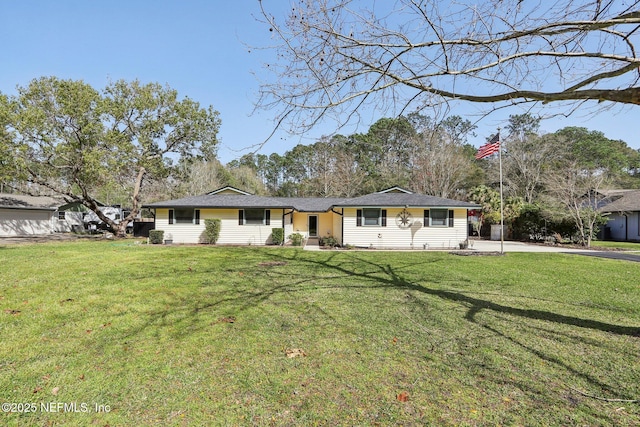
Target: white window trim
379	220
264	217
193	217
446	218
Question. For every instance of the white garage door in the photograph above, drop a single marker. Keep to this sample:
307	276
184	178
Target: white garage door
19	222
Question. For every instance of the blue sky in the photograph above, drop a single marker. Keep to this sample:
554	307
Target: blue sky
198	47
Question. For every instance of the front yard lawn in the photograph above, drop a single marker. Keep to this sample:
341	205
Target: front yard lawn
112	333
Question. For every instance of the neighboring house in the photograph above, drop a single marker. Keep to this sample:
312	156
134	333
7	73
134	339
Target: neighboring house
26	215
93	221
393	218
69	218
622	207
22	215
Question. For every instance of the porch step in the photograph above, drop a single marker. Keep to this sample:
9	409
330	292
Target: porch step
312	244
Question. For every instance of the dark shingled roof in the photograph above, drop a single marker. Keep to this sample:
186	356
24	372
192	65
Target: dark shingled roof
311	204
224	201
403	199
629	201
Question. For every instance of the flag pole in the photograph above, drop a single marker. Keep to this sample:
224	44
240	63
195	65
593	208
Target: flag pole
501	199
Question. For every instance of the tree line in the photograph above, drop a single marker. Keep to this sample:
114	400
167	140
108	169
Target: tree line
553	182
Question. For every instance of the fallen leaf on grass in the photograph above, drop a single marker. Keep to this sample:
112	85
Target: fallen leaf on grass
13	312
294	352
55	391
394	340
37	389
403	397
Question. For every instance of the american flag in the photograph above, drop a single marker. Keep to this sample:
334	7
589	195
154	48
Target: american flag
493	146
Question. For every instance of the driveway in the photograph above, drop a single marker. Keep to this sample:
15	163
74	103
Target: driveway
509	246
494	246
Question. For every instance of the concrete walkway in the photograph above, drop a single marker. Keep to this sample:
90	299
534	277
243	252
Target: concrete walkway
494	246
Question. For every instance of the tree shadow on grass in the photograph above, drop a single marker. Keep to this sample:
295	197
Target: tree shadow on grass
341	265
391	278
193	313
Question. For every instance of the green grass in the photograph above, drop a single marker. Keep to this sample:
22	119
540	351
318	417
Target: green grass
198	336
627	246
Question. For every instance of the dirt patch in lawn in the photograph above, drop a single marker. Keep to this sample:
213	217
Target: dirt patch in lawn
57	237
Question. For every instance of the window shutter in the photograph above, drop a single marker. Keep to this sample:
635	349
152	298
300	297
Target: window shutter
359	217
196	216
451	218
170	216
240	217
384	217
267	217
426	217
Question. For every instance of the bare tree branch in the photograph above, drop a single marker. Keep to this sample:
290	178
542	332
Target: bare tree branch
340	57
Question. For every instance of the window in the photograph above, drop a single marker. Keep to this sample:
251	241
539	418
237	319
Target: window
371	217
254	217
184	216
438	218
62	215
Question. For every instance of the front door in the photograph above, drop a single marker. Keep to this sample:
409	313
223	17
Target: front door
313	225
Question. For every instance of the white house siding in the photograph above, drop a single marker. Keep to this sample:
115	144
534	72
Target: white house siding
73	221
416	236
231	233
24	222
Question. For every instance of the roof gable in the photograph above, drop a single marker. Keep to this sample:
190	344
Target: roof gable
228	190
396	189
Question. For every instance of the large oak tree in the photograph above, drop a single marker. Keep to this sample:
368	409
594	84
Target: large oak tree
69	139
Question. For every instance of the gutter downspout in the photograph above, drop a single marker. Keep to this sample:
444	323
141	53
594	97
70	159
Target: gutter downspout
342	225
284	214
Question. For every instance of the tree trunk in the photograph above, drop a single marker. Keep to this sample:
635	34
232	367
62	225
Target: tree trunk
120	229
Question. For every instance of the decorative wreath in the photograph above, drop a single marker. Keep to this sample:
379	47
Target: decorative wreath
404	219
